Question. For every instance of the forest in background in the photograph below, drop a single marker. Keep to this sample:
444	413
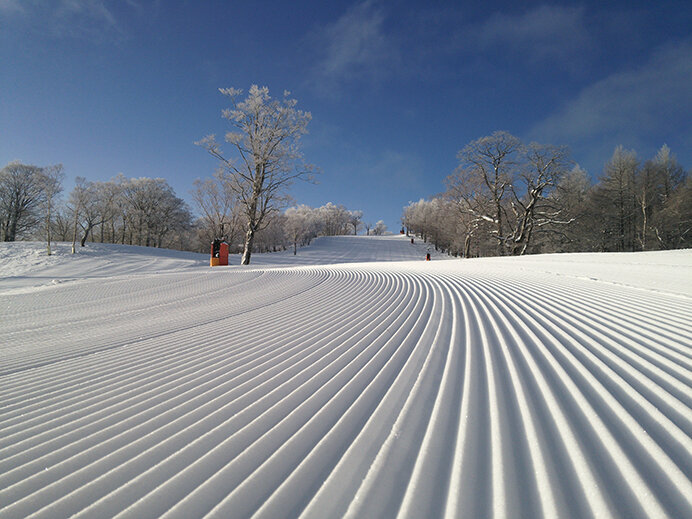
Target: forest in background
505	198
508	198
147	212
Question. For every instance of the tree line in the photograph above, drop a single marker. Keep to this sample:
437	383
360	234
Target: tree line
224	217
147	212
134	211
510	198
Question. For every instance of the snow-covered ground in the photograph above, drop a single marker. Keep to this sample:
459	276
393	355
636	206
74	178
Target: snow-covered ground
354	379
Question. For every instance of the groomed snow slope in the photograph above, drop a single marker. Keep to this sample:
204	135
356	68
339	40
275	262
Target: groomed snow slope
546	386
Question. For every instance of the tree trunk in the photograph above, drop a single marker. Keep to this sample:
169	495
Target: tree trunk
12	228
247	249
74	232
500	245
48	217
644	222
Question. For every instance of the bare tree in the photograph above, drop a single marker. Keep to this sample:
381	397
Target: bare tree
78	198
491	160
531	208
464	191
216	200
21	197
154	210
52	186
356	220
266	139
672	224
616	203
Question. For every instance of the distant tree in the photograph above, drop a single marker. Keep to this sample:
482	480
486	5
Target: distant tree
334	219
531	206
491	160
380	228
505	188
61	225
615	201
572	195
368	226
217	202
22	194
299	224
154	210
356	220
110	204
266	139
78	199
272	236
672	223
470	207
52	186
671	173
671	203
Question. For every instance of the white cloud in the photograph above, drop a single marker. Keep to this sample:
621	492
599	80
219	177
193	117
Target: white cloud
355	46
11	7
88	19
631	105
545	32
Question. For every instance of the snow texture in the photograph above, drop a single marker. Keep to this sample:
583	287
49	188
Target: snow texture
352	380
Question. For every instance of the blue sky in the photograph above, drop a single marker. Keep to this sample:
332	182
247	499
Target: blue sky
395	88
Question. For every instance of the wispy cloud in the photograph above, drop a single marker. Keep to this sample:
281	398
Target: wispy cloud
628	107
11	7
545	32
355	46
84	19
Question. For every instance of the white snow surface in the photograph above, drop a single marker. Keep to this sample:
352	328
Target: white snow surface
352	380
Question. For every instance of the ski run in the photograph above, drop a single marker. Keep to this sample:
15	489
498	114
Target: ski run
355	380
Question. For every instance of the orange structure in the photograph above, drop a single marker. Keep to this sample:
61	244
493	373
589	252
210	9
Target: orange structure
219	253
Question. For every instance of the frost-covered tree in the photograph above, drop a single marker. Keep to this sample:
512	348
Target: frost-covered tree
334	219
355	218
154	210
380	228
217	202
504	187
300	224
266	136
491	160
532	209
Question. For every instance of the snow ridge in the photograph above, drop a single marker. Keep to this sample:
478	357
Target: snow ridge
362	389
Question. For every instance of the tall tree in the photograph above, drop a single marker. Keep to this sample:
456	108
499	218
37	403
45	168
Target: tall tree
299	224
21	197
266	139
542	170
356	220
616	194
217	203
491	160
78	198
52	186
